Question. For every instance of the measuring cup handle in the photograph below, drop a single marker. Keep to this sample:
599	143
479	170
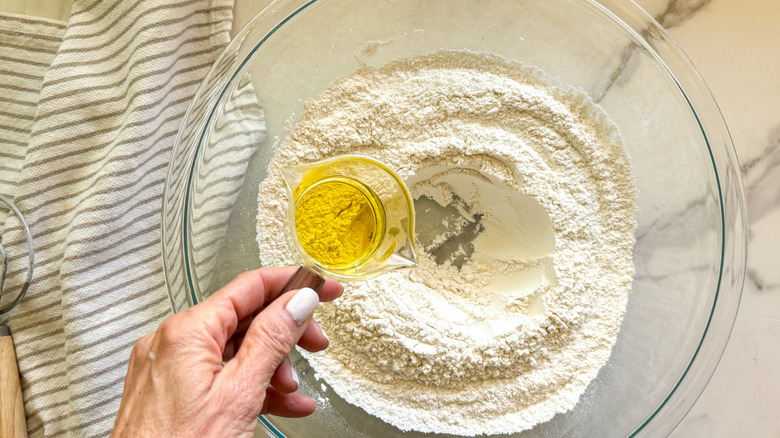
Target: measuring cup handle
304	277
13	423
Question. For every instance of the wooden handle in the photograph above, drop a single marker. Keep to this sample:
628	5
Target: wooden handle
13	423
305	277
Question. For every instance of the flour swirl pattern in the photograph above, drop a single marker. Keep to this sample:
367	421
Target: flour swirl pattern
504	331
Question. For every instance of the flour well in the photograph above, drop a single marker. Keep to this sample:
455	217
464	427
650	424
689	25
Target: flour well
526	219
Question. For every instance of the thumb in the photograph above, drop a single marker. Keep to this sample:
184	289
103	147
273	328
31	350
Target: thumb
269	339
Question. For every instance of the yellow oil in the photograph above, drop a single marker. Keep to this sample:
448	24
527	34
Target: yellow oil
339	222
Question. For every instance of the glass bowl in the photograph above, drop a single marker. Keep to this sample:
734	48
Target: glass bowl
691	238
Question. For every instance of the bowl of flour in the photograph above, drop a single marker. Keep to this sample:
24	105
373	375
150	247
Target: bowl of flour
579	214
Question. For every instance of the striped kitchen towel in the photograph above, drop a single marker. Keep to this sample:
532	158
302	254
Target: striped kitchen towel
27	48
89	111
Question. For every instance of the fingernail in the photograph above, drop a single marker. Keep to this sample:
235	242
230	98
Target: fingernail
294	375
302	305
325	334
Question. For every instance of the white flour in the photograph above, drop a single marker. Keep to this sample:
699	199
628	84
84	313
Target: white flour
504	331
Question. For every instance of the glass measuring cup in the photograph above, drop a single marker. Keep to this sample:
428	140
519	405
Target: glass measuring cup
386	225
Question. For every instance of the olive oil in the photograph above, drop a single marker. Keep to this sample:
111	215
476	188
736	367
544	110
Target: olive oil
350	217
339	222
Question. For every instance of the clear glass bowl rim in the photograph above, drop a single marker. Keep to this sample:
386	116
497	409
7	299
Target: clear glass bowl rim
659	43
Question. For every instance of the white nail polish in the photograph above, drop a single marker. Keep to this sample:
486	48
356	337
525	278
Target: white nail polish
302	305
294	375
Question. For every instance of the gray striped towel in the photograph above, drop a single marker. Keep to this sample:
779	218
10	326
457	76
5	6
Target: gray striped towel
89	111
27	47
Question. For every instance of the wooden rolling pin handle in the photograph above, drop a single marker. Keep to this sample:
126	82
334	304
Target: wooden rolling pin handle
305	277
13	423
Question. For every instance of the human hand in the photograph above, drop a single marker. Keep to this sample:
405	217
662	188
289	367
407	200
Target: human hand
177	384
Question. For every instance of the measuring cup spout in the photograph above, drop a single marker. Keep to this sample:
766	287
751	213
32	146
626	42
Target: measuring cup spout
293	177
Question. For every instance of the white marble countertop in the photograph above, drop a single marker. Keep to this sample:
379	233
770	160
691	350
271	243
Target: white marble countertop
734	45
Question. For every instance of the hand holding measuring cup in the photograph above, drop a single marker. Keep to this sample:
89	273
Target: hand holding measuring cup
210	370
351	218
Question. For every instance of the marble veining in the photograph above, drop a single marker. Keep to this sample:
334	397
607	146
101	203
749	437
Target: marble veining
761	176
676	13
